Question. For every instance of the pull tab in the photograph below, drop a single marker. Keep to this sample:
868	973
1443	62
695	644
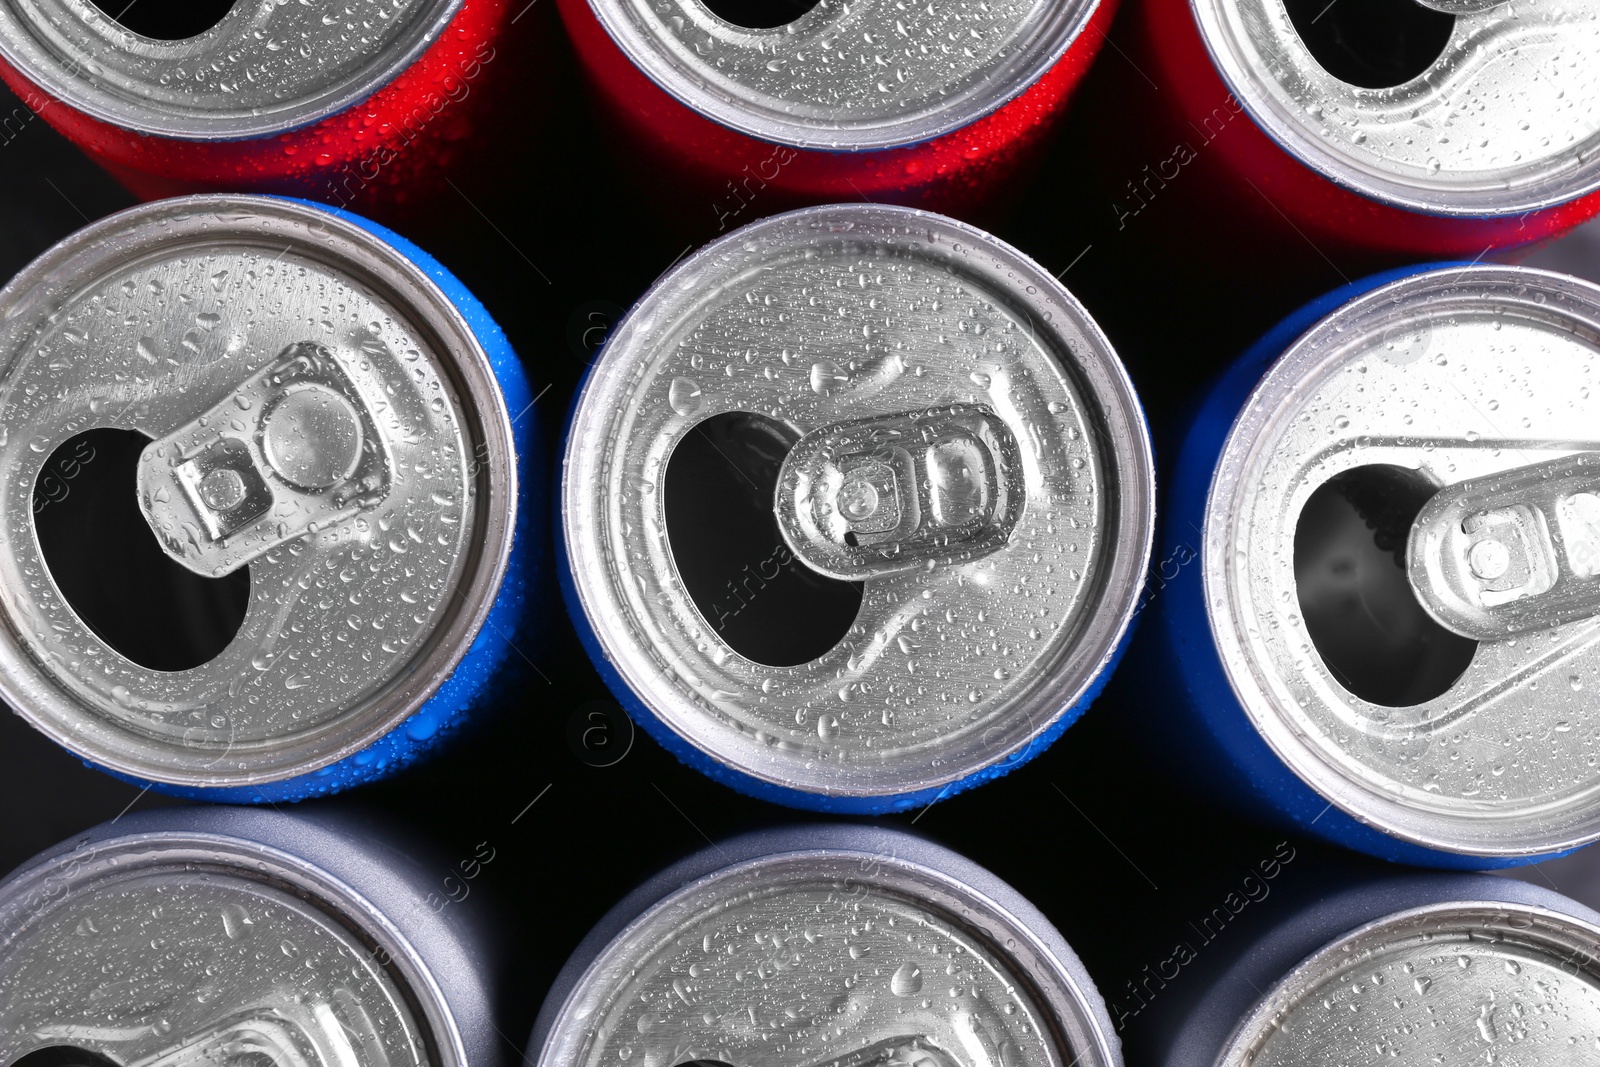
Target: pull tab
889	494
291	451
1511	552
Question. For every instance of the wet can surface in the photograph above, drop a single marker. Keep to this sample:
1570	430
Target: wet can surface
214	934
259	524
1386	530
1371	133
1421	968
856	504
933	106
364	107
819	945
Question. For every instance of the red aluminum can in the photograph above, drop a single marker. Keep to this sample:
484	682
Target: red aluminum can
1364	132
359	105
933	106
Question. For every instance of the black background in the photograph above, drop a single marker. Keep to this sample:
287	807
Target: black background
556	242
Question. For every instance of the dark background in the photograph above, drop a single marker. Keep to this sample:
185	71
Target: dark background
557	243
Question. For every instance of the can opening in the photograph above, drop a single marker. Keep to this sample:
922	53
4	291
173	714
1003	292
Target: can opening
112	571
1374	44
759	14
64	1056
1350	571
749	587
165	20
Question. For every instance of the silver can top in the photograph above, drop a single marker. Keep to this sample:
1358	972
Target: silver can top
847	76
960	438
1401	547
265	68
1449	983
319	413
187	949
829	956
1496	110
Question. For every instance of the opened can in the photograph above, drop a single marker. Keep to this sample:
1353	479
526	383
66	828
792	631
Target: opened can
356	107
754	107
195	936
856	506
260	512
823	945
1386	530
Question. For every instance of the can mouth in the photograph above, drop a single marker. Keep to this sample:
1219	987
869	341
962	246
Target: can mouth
63	1056
1374	44
166	20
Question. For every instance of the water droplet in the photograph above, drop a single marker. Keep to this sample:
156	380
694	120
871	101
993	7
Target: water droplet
236	922
827	377
907	981
685	397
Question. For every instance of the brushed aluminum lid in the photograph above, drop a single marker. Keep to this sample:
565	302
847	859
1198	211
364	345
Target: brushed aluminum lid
1470	380
1506	120
285	351
1462	982
848	76
844	325
828	957
265	68
187	950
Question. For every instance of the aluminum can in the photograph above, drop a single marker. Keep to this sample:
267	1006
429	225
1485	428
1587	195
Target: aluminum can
1417	968
932	107
191	936
856	505
1368	134
821	945
258	534
1383	536
351	107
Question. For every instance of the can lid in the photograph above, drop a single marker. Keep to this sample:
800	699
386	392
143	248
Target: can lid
182	950
1451	983
316	419
847	76
955	434
262	69
1462	107
1400	559
828	957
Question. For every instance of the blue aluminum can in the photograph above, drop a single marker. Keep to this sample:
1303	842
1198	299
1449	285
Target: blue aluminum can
260	522
856	505
1375	619
824	945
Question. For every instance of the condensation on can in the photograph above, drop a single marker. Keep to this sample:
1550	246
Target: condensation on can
1353	655
274	100
211	934
325	414
945	427
985	970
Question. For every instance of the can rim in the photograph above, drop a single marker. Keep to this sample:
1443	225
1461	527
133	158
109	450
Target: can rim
1255	1023
1242	453
46	67
461	359
772	127
1489	199
1130	500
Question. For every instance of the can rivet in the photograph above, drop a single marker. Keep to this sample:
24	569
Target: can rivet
858	499
222	489
1490	560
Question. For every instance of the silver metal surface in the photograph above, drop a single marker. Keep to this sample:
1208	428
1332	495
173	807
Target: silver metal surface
265	68
358	610
1468	982
862	316
848	76
1506	120
830	954
1459	375
215	936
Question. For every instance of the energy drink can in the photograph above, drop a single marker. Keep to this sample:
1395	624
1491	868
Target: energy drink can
824	945
754	106
856	506
192	936
1387	536
258	530
354	106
